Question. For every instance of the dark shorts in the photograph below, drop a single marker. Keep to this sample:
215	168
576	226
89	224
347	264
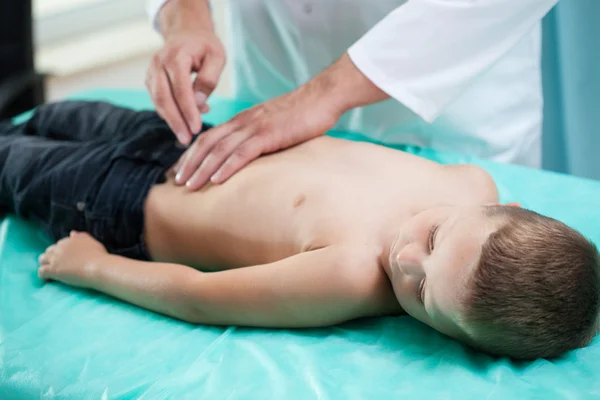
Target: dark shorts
86	166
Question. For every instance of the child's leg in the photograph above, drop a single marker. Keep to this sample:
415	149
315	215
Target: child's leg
35	171
93	120
60	184
89	121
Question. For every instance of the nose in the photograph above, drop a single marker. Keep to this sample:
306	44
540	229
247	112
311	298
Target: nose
410	259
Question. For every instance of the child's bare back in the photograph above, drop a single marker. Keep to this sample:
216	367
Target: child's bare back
323	192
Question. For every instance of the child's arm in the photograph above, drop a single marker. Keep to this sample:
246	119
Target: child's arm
318	288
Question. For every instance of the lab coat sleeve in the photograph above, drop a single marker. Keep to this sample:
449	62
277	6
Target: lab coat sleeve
153	7
426	52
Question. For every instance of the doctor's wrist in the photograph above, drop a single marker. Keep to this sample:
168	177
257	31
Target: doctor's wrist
346	87
185	16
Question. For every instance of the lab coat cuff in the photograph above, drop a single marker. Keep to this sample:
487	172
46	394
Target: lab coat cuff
394	88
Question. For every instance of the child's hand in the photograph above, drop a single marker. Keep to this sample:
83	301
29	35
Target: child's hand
70	259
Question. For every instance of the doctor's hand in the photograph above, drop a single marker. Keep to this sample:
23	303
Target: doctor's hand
277	124
178	100
305	113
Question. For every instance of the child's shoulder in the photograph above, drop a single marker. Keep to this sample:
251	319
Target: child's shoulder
363	259
360	264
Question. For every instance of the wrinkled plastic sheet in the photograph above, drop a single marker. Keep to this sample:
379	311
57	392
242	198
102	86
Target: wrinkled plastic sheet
57	342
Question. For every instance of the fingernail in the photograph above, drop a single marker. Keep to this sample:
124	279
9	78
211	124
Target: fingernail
205	108
216	177
183	138
188	184
200	98
178	177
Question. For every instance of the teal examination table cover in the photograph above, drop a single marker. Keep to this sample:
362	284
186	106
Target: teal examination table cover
61	343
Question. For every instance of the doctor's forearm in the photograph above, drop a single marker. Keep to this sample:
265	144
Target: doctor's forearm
345	87
178	16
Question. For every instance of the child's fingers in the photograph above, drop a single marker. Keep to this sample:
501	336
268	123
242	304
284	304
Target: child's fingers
43	273
44	259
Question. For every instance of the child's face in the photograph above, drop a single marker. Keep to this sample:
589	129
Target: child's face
431	259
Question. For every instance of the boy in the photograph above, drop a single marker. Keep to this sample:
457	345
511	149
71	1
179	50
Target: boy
319	234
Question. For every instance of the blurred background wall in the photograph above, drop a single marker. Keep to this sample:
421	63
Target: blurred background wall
100	43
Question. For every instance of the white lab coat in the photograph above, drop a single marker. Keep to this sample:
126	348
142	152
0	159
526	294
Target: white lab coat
464	75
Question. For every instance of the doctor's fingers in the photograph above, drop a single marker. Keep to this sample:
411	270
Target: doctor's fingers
247	151
208	75
220	155
179	69
196	154
159	88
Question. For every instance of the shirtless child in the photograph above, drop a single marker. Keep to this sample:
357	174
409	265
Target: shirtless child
322	233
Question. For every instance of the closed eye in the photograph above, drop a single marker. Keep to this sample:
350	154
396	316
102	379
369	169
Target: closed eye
432	233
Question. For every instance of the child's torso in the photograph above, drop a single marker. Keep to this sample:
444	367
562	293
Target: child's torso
322	192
